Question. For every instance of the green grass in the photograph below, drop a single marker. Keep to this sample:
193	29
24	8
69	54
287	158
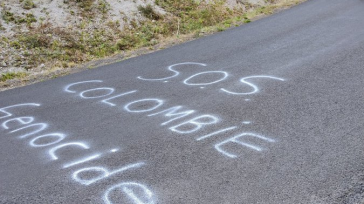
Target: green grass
148	12
26	18
7	16
27	4
89	8
12	75
194	15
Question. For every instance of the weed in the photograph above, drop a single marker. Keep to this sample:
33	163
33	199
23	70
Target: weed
219	29
103	6
246	19
194	15
127	42
28	19
7	16
32	41
86	7
28	4
11	17
15	44
148	12
12	75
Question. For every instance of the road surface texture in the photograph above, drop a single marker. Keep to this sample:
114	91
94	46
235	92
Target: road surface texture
269	112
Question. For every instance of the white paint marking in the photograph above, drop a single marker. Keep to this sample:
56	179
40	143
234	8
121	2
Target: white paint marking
255	88
95	156
202	87
195	122
105	172
225	75
59	135
52	151
165	82
66	89
12	106
42	126
176	73
127	188
110	91
235	140
117	96
173	112
158	104
21	120
114	150
246	122
215	133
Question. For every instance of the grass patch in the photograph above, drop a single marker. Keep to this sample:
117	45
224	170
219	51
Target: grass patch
12	75
148	12
89	8
7	16
26	18
86	6
27	4
191	15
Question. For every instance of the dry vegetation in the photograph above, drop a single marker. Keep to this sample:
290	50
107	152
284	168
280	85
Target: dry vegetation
32	45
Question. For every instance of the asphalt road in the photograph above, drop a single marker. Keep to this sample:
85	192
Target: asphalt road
269	112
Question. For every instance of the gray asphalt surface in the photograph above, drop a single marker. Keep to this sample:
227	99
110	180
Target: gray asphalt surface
284	96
